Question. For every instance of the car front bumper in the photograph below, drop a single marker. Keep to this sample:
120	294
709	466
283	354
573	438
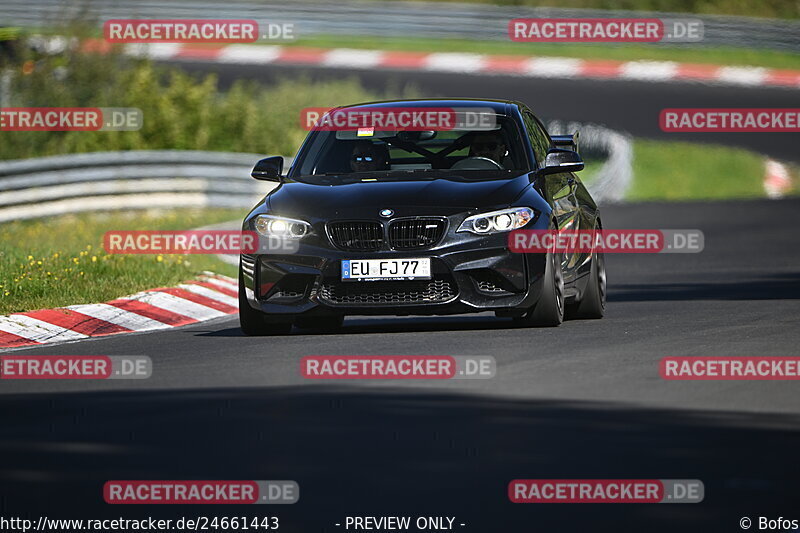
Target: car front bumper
470	274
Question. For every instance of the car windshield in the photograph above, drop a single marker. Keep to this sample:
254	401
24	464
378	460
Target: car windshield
486	153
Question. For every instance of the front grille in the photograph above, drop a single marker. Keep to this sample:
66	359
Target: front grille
356	236
412	234
388	292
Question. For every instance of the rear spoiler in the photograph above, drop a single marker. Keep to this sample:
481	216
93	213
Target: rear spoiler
568	142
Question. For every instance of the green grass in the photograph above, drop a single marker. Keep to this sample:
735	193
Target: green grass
180	111
748	8
682	171
60	261
619	52
589	172
689	171
684	53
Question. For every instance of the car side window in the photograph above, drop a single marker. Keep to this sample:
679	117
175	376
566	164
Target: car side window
539	142
544	137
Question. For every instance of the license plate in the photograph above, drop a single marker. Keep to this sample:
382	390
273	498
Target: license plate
386	269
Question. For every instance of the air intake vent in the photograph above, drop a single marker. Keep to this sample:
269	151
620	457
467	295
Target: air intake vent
416	233
356	236
388	292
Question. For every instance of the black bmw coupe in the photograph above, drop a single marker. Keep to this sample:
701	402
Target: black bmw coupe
391	221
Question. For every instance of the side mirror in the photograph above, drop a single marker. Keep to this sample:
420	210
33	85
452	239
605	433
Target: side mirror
268	169
559	160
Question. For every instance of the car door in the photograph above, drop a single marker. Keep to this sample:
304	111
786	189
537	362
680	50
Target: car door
559	189
583	217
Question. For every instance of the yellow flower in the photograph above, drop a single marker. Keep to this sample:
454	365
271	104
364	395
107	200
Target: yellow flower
88	246
38	262
94	259
75	260
55	255
159	258
30	257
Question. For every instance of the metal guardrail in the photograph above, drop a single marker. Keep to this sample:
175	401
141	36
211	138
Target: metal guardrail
100	181
614	178
392	18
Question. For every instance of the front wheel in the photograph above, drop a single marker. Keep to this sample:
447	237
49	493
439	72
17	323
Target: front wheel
549	310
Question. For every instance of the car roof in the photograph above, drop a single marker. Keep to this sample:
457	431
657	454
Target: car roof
498	106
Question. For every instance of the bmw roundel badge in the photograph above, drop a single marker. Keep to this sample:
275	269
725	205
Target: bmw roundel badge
386	213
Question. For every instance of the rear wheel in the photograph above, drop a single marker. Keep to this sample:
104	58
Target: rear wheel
593	303
255	322
549	310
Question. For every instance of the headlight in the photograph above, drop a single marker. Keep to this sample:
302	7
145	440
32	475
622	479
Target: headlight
498	221
287	228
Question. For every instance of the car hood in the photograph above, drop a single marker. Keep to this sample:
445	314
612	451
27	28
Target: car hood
442	196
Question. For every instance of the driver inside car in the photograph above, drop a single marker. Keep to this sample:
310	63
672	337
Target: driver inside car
490	145
368	157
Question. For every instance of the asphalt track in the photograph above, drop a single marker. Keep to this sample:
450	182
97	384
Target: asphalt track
631	106
581	401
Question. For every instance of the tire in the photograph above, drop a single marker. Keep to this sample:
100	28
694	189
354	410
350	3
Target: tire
593	303
324	324
256	323
549	310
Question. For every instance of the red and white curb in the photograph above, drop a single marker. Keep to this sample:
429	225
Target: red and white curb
537	67
209	296
777	180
